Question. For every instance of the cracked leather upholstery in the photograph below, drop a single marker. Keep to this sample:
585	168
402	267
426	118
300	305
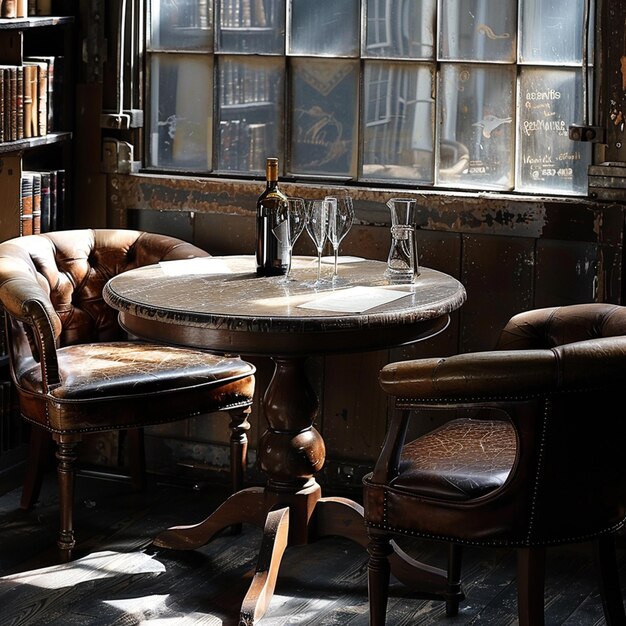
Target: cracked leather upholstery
73	367
533	453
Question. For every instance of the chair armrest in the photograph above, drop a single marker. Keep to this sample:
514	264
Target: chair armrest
504	373
27	303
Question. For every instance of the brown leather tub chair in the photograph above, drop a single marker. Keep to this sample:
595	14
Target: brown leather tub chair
534	454
76	372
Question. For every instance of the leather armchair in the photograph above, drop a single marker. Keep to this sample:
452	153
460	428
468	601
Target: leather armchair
532	455
75	371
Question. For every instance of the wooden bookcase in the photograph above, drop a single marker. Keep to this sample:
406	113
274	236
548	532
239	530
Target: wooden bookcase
19	39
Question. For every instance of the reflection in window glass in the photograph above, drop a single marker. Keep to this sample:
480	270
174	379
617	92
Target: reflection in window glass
447	93
399	122
549	101
181	24
400	29
255	26
324	115
250	112
476	113
324	27
181	94
478	30
552	31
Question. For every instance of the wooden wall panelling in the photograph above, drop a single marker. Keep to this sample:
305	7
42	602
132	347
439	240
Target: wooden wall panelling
498	275
566	272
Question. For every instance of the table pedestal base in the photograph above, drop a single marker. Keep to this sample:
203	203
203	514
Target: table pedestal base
289	519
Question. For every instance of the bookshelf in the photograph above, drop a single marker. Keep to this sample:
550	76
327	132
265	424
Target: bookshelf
24	41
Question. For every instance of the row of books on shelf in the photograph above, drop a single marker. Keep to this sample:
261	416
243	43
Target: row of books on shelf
25	8
41	202
27	98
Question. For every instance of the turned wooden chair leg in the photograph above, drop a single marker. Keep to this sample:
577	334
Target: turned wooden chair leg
455	595
610	590
531	573
378	571
136	458
66	454
39	453
239	427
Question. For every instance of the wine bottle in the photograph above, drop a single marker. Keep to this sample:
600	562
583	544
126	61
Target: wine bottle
271	258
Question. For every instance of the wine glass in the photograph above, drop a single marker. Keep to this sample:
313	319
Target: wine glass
287	224
317	227
340	218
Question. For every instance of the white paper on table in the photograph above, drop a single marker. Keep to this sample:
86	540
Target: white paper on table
354	299
201	265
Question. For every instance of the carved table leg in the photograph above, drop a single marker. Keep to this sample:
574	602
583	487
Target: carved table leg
290	508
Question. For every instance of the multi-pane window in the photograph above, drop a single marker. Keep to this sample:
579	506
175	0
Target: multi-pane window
461	94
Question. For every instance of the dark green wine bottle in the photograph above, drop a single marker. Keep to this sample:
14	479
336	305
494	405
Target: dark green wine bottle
271	258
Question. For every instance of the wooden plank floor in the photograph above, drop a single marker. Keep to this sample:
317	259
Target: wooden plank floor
118	579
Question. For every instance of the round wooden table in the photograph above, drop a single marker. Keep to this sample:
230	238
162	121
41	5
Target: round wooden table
220	304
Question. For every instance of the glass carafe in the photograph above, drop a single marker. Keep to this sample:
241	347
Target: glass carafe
402	264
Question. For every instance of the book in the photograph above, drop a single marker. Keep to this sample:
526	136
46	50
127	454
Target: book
10	102
2	112
21	8
46	193
31	127
19	101
43	7
46	78
26	204
9	8
36	201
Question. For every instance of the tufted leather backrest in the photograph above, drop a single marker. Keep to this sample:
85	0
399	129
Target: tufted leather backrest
72	267
557	326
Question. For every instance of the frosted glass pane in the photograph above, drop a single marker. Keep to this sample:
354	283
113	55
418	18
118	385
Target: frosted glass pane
478	30
181	97
181	24
398	122
251	112
476	122
550	100
324	113
251	26
551	31
324	27
400	29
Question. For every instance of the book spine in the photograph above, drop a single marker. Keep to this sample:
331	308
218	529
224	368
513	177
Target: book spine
2	112
26	205
42	98
21	8
13	105
29	86
36	203
43	7
45	200
19	101
9	8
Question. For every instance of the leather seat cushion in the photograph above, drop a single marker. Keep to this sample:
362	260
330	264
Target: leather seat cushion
97	370
461	460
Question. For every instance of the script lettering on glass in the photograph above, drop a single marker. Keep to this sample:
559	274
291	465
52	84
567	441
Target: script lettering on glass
549	161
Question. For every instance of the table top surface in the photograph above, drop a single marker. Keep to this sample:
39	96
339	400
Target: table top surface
223	298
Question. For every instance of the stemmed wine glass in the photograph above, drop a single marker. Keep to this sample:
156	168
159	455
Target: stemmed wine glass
287	223
317	227
340	218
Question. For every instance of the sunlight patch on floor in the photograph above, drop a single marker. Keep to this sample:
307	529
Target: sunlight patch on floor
96	566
